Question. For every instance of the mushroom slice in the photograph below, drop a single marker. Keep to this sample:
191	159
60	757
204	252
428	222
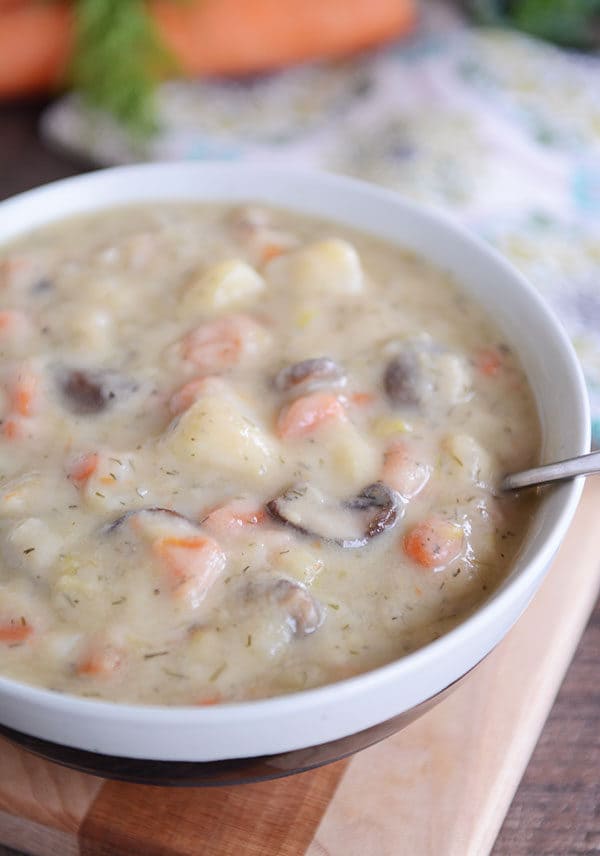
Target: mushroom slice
422	373
308	374
303	612
401	379
384	504
86	391
350	524
115	524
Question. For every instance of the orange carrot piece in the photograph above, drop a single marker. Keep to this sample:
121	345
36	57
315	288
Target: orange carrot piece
187	395
193	564
99	662
83	467
24	392
403	471
488	361
308	413
233	518
362	399
434	543
271	251
13	429
12	320
14	632
220	344
210	700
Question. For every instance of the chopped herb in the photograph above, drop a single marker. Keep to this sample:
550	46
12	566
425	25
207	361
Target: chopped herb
119	601
247	568
101	495
172	674
334	605
156	654
113	476
346	627
217	672
249	640
29	550
23	621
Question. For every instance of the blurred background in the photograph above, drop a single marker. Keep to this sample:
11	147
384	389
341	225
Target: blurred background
488	109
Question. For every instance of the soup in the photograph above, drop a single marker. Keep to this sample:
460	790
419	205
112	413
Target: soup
243	453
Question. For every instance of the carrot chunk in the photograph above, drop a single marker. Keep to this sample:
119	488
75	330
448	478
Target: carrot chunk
13	632
189	393
234	518
83	467
24	392
13	429
434	543
404	470
222	343
193	564
308	413
99	662
488	361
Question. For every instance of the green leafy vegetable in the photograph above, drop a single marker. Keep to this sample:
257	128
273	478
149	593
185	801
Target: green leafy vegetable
118	60
568	22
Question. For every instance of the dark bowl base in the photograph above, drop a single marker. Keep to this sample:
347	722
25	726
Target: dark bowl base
229	772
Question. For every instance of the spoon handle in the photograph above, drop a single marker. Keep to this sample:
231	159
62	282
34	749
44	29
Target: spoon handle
584	465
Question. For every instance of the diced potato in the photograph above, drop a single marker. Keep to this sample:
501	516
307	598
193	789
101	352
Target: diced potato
215	432
389	426
71	587
472	460
33	545
33	493
114	484
222	287
300	563
452	378
325	267
351	457
91	330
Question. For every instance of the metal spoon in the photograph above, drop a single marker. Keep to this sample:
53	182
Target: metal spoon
583	465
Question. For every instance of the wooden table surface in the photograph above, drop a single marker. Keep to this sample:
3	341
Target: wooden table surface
556	811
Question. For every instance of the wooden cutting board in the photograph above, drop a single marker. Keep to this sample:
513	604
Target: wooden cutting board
441	787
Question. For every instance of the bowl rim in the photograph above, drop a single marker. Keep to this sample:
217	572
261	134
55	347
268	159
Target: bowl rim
409	664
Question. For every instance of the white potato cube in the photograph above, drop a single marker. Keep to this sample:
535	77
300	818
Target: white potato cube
32	545
222	287
472	461
325	267
34	493
350	457
215	432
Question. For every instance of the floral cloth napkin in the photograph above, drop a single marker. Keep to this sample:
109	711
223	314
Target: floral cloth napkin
499	130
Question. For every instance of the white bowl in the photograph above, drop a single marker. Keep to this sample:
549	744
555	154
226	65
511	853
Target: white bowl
330	713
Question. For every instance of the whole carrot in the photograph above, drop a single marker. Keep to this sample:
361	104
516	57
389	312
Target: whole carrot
206	36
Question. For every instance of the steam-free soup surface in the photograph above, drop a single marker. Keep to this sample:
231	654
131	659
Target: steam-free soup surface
243	453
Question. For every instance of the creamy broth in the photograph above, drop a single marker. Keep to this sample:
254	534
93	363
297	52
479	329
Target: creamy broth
243	453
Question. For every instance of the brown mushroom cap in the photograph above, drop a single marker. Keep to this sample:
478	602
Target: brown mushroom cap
86	391
401	378
351	524
308	374
114	524
304	614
